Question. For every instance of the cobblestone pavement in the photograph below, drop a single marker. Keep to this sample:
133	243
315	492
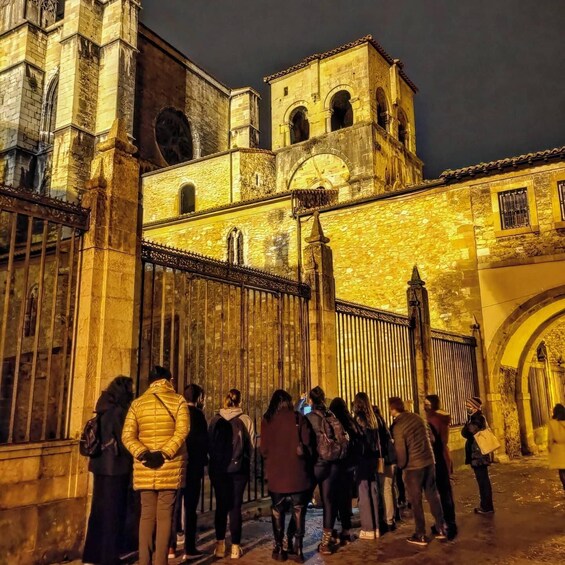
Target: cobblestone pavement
528	527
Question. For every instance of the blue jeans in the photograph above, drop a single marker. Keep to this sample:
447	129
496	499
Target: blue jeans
369	504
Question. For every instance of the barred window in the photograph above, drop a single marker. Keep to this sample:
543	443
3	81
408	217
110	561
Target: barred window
561	195
514	212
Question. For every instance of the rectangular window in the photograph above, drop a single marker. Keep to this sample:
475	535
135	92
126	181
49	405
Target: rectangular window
561	195
513	205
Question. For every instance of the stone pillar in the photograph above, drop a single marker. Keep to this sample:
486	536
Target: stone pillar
107	321
419	315
318	273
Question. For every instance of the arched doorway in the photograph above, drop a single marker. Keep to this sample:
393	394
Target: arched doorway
523	379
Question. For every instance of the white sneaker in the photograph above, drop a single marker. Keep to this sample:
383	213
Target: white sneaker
366	534
220	550
236	551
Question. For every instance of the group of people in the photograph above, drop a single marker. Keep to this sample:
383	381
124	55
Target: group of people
325	451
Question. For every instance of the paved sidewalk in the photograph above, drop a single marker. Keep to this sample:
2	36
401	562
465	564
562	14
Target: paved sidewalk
528	527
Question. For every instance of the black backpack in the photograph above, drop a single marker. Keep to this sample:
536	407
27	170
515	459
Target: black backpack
90	444
333	440
230	446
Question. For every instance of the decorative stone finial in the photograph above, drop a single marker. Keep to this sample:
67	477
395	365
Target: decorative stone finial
416	280
317	233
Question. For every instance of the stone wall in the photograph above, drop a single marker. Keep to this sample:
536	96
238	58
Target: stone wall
232	176
167	79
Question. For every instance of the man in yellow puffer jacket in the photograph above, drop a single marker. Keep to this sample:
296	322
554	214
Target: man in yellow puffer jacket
154	433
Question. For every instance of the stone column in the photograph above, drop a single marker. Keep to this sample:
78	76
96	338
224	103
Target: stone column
419	314
318	273
107	323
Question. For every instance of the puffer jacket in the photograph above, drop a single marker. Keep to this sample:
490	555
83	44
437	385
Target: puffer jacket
556	444
149	427
412	442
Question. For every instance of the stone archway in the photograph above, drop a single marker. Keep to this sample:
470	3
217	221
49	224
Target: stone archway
509	359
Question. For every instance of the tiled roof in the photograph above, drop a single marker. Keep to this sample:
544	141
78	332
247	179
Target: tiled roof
367	39
502	164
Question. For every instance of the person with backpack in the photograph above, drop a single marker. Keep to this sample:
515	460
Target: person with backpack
332	444
416	459
439	422
154	433
347	469
476	422
111	465
231	439
287	444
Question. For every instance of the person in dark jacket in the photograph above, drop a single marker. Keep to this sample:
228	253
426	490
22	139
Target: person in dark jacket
416	459
326	473
473	456
367	470
197	448
439	422
287	444
347	468
112	472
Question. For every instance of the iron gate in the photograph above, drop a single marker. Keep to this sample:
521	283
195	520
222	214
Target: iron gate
223	326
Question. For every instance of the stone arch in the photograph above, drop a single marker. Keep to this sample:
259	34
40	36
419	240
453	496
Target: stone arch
333	174
187	198
49	110
512	348
299	125
335	90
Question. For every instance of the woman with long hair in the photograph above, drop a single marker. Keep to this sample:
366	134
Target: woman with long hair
556	441
367	479
112	471
231	441
347	467
287	443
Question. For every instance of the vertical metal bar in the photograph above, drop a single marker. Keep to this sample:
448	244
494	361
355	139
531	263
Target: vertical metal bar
173	352
51	333
71	267
20	331
44	236
152	314
163	313
8	291
140	336
280	324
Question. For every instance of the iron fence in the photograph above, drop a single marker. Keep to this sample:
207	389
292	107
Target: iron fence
455	372
223	326
375	355
40	240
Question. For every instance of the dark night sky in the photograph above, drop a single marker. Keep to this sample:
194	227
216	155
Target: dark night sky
491	73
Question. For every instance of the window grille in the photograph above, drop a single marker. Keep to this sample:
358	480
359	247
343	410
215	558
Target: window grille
561	194
514	212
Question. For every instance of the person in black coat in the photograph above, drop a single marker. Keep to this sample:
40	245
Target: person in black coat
112	471
476	422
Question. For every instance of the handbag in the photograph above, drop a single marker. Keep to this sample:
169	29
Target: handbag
486	440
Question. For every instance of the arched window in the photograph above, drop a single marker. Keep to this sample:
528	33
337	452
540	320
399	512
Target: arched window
382	109
299	125
235	247
49	112
174	137
402	128
187	202
342	111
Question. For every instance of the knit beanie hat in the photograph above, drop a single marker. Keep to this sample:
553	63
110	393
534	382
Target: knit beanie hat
474	403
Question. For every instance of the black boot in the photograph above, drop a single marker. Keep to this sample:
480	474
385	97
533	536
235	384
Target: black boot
298	553
279	554
299	519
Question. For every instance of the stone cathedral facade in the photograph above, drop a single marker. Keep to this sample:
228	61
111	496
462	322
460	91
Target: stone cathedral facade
488	239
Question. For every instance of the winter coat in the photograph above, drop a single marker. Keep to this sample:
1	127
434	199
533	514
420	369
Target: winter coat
367	468
197	442
412	442
229	414
473	456
556	444
440	422
287	471
149	427
115	459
